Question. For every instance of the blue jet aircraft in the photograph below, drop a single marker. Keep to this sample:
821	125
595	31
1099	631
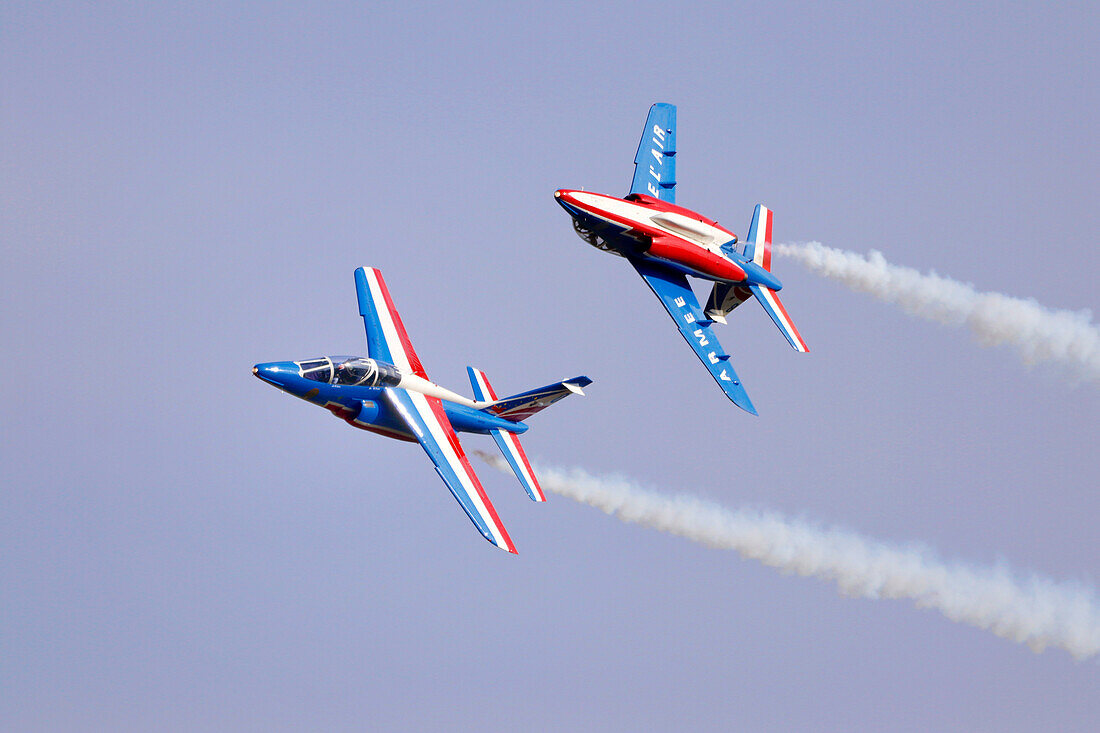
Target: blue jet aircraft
665	243
388	392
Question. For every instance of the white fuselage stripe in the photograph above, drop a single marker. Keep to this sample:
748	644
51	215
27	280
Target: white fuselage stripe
647	217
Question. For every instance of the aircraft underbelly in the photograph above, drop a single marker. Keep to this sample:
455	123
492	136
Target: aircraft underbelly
365	409
706	273
386	432
667	248
679	267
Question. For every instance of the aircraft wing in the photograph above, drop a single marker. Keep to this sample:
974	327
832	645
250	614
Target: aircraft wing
427	420
674	292
386	336
655	161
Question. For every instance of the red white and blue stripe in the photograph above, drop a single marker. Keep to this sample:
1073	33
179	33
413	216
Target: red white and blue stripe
507	442
424	415
426	419
386	336
758	242
774	307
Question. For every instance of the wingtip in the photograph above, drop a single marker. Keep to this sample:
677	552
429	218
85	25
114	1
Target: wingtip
742	400
507	546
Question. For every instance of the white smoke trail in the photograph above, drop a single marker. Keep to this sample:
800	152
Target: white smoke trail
1035	611
1038	333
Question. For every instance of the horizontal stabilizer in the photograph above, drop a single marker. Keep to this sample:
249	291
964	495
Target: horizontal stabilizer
508	443
724	297
521	406
770	300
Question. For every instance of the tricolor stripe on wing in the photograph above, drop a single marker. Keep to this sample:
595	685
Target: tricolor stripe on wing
770	300
402	352
507	442
438	439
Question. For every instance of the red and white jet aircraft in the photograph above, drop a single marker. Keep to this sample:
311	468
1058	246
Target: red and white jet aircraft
665	243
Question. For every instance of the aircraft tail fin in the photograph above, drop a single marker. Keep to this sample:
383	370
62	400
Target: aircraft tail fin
758	248
758	242
508	442
724	297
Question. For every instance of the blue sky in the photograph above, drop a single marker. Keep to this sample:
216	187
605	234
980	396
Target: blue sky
186	189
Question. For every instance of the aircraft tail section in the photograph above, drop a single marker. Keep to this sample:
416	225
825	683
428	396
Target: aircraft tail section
758	242
770	300
724	297
508	442
758	248
521	406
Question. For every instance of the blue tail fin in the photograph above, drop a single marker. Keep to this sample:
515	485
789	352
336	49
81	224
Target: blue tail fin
508	443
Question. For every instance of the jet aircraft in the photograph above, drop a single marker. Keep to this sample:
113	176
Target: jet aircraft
388	393
665	243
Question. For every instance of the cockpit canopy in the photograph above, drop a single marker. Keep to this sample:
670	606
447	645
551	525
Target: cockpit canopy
351	371
319	370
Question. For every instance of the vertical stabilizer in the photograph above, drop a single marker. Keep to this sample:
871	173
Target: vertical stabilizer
758	242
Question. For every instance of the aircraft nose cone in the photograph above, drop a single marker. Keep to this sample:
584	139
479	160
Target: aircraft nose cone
270	372
568	201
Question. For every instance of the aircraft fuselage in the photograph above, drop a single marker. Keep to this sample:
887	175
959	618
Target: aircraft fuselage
644	227
363	406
